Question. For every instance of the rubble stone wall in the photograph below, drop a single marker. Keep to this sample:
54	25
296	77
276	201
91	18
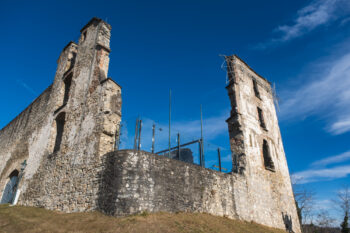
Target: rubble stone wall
269	189
137	181
82	105
67	136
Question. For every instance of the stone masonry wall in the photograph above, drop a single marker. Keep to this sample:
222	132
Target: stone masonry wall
20	139
64	177
79	171
269	188
136	181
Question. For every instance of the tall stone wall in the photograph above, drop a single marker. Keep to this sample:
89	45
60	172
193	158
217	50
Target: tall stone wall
257	147
65	131
68	133
22	138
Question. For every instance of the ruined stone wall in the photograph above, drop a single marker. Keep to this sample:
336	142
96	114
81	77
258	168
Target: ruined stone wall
269	191
136	181
84	107
67	135
21	138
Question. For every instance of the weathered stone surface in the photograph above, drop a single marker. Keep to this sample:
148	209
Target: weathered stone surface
66	179
269	187
67	136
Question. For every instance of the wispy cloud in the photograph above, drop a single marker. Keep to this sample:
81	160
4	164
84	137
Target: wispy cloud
332	160
328	96
319	171
314	175
307	19
26	86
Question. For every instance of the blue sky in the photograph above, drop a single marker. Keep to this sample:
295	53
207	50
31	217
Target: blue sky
303	47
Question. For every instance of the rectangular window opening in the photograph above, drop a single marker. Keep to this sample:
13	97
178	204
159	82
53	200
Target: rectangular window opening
261	118
255	87
67	84
268	162
60	120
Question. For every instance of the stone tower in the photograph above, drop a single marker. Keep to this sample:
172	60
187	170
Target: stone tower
256	145
63	134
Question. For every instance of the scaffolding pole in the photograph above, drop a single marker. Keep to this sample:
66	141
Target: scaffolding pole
178	146
136	132
139	142
201	144
219	157
169	121
153	135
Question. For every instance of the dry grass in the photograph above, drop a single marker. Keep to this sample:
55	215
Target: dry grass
29	219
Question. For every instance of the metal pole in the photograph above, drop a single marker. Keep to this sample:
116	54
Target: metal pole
169	120
140	126
183	145
202	150
153	135
178	146
136	131
219	159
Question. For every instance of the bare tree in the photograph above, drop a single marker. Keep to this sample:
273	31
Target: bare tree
343	202
343	199
305	200
324	220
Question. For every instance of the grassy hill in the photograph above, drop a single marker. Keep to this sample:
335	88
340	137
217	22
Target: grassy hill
29	219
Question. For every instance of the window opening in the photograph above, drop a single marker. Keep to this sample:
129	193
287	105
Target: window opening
261	118
60	120
267	157
10	188
255	87
67	84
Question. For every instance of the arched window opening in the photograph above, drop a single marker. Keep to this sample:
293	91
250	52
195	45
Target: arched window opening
67	84
10	188
60	120
267	157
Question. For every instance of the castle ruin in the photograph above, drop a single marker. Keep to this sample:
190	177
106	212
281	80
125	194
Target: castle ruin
60	154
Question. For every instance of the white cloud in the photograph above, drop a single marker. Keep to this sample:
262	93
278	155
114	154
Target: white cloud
332	160
328	96
319	171
341	126
307	19
314	175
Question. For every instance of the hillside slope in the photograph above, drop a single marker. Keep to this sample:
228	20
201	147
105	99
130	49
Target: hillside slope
29	219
